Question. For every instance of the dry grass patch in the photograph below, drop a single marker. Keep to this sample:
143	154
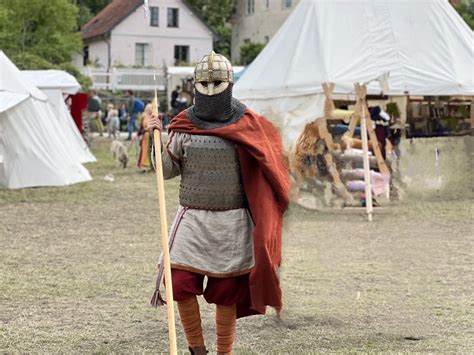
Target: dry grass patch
78	268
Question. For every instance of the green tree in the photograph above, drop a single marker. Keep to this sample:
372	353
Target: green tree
466	10
249	51
41	34
217	15
46	28
89	8
85	14
95	6
4	35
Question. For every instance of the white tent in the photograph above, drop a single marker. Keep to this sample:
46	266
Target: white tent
424	45
55	83
53	80
32	152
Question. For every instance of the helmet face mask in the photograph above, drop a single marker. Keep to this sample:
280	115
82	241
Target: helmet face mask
213	74
211	88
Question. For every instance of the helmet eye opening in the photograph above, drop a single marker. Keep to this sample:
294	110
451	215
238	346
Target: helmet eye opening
206	84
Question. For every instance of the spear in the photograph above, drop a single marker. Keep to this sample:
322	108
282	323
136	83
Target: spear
164	230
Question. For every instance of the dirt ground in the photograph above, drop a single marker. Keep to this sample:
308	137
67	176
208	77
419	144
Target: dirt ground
78	268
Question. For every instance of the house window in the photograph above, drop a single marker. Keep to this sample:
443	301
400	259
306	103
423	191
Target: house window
247	40
173	17
181	54
154	16
142	54
267	39
285	4
267	4
249	7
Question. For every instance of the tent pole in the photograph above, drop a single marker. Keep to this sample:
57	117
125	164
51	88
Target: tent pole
365	147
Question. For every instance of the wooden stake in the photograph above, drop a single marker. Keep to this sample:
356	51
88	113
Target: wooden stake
472	114
164	236
365	147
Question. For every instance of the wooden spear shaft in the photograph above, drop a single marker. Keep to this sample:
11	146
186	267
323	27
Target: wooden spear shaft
164	235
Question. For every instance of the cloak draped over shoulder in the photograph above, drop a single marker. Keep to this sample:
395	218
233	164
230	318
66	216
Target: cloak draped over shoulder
266	185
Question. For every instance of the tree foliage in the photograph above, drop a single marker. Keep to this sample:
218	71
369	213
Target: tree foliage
249	51
466	10
217	15
41	34
95	6
46	28
85	14
89	8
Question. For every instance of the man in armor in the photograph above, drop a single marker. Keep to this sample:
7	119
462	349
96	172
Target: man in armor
233	193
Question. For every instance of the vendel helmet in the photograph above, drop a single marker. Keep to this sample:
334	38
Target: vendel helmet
213	74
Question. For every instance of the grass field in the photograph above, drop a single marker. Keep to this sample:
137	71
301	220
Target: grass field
78	267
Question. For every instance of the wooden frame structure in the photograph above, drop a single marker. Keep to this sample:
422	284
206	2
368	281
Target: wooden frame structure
360	113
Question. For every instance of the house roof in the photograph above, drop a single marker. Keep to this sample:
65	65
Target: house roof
109	17
115	12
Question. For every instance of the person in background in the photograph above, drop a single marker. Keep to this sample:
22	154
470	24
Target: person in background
134	107
381	120
181	103
123	116
113	121
396	136
94	112
174	97
144	138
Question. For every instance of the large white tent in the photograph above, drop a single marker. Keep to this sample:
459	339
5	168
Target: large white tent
424	46
55	84
32	152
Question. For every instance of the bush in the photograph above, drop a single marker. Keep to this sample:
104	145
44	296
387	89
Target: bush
466	10
28	61
249	51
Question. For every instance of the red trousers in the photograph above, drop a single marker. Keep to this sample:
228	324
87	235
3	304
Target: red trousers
222	291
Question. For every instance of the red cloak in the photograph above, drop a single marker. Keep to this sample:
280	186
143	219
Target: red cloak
266	185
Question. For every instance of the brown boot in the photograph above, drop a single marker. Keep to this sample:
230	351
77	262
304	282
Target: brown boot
198	350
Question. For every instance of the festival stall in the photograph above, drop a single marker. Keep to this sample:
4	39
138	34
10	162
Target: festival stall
394	50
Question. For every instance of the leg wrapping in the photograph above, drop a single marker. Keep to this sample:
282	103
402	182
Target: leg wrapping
191	320
225	327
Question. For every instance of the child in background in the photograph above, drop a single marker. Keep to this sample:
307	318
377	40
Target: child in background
113	121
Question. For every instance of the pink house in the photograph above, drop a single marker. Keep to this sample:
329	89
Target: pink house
172	33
